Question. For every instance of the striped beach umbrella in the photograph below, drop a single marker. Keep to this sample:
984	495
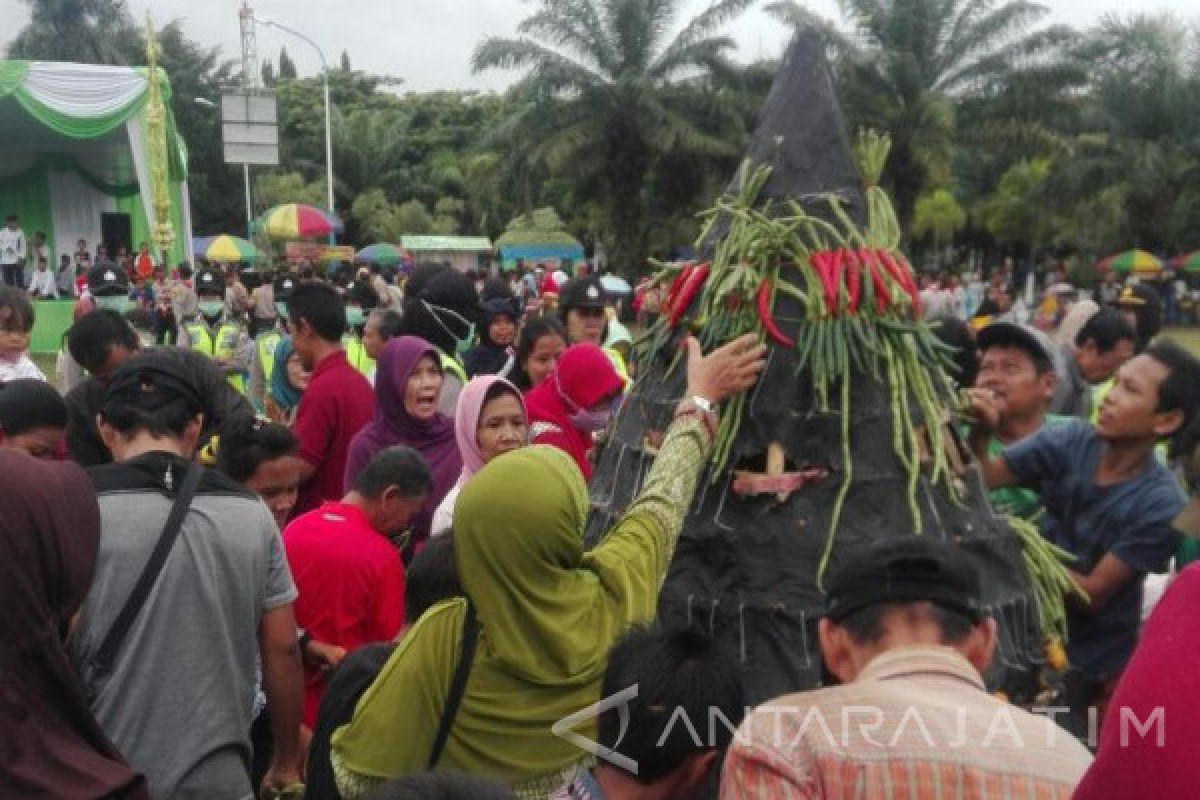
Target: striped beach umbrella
225	249
1186	263
383	254
1137	261
299	221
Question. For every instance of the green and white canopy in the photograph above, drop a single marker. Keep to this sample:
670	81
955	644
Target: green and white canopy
73	146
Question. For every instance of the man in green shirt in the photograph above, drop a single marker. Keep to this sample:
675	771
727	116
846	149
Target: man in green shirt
1019	365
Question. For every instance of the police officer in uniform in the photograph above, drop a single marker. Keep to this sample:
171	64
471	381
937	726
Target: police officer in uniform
267	340
210	332
583	308
360	298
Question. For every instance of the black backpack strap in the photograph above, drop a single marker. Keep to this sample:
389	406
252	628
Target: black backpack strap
154	565
458	685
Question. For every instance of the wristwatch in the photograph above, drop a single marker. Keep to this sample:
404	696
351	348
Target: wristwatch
702	403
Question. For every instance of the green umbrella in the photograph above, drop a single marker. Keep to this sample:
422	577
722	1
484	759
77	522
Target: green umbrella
225	249
1138	261
1186	263
383	254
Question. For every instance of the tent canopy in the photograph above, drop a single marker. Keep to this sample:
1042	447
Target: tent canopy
446	244
533	253
73	147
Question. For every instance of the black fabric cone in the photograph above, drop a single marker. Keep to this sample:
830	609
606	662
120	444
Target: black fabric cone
746	568
801	134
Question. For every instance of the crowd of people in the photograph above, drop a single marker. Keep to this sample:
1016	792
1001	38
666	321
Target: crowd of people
322	537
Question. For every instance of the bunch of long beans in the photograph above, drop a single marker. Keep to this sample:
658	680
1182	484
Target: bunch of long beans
1052	583
860	306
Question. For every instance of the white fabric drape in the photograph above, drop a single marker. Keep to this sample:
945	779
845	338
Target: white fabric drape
77	208
141	165
83	90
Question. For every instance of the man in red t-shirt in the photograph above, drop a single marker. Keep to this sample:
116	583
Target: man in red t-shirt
338	401
349	574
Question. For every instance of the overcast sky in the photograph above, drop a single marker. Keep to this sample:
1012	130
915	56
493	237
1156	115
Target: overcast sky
428	43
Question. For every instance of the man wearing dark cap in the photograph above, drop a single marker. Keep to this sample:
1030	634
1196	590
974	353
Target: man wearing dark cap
175	694
583	307
107	288
906	635
1143	309
218	336
1019	365
1109	502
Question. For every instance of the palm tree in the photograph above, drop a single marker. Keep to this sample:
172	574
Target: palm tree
1132	176
604	71
88	31
369	147
914	67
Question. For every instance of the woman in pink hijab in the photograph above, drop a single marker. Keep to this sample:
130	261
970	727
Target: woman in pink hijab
490	421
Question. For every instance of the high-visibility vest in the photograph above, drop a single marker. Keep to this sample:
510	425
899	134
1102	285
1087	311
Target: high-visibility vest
618	362
223	346
267	342
450	365
356	354
1099	392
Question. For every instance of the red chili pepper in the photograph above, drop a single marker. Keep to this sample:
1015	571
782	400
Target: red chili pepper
763	301
883	295
692	285
823	263
668	304
819	261
904	278
854	267
837	267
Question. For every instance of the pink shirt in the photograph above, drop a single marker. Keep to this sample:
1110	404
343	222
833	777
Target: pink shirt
351	584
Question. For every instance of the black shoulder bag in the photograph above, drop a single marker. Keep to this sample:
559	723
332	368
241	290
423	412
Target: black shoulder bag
102	662
458	685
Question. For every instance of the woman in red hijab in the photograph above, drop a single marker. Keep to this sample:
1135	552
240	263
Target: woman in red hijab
51	747
574	403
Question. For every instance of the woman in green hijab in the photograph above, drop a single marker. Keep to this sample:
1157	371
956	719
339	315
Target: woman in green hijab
547	611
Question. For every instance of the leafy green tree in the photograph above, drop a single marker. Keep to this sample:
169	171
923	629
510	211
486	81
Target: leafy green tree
1016	213
447	215
413	218
1131	178
275	188
609	67
88	31
376	217
287	67
939	215
369	147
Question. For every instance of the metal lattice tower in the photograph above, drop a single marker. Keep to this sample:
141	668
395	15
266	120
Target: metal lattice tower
251	78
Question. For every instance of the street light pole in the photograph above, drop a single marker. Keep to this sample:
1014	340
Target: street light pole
270	23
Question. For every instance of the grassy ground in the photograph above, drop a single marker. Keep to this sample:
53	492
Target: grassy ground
1188	337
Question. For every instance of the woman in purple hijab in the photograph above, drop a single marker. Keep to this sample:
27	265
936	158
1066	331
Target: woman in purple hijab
408	381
